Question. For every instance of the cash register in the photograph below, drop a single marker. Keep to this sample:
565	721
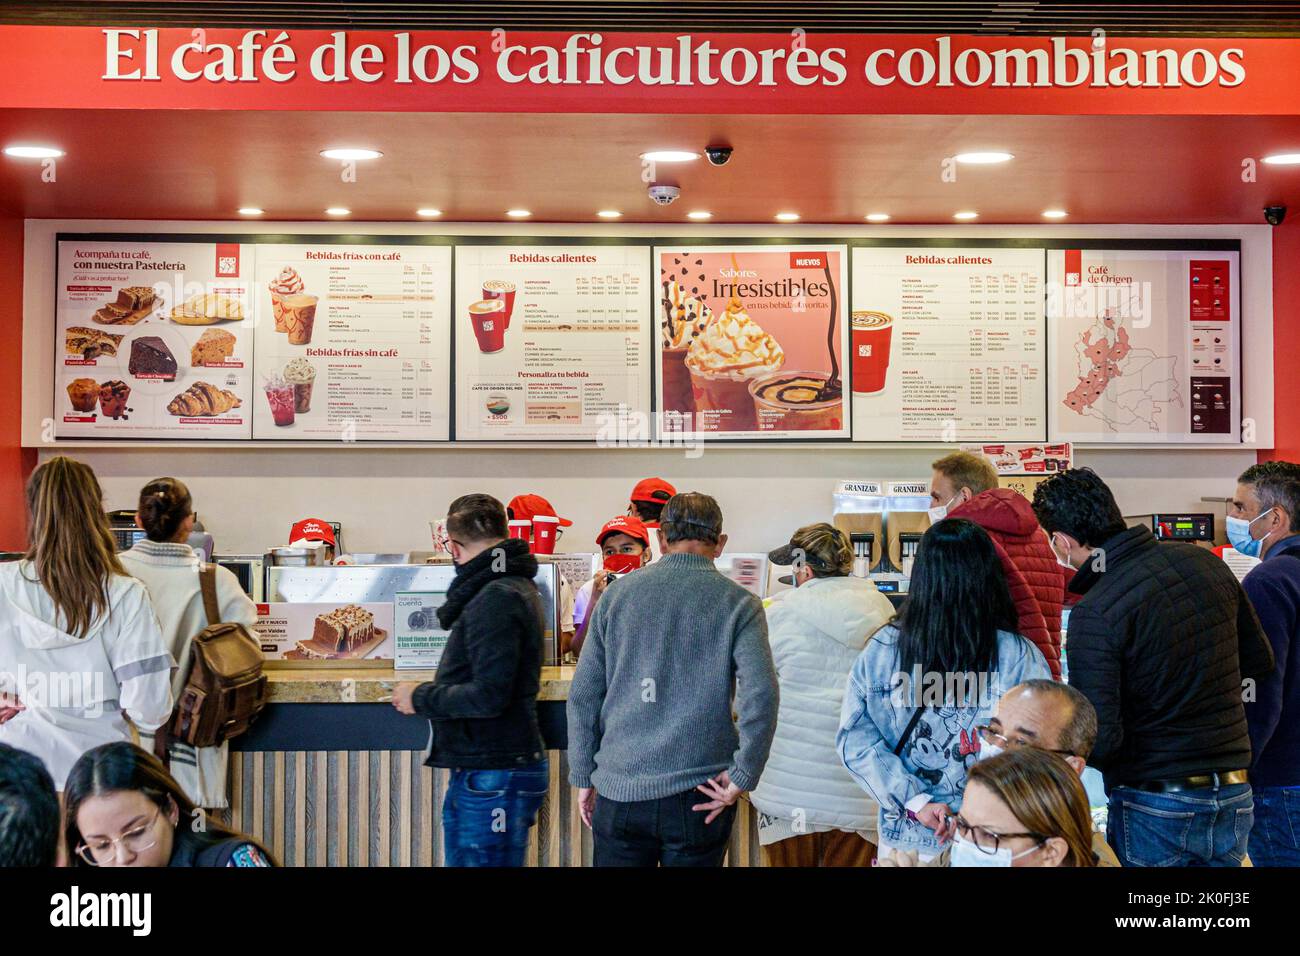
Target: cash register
1183	527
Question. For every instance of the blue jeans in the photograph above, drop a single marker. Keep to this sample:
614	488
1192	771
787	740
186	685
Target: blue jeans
1275	839
486	814
1207	827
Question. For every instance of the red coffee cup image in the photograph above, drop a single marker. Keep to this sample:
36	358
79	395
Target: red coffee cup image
487	316
544	528
871	336
521	528
503	290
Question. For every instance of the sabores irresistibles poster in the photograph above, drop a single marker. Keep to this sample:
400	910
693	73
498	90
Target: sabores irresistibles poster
752	340
154	340
552	341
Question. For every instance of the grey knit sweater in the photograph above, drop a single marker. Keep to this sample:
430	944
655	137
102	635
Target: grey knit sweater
670	650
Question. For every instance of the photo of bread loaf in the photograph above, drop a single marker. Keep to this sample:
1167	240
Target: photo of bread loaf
203	400
214	347
208	308
90	343
131	305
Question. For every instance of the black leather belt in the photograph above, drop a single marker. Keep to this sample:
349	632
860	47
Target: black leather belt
1203	781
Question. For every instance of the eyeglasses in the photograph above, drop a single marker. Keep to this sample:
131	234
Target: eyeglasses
986	841
1006	743
138	840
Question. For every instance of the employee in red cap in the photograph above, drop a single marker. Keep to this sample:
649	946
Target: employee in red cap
526	508
312	531
624	543
647	503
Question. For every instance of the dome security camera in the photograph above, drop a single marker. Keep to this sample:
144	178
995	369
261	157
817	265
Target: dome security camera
718	155
1273	215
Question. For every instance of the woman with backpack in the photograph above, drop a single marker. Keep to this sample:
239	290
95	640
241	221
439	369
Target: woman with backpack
80	649
926	680
169	569
122	808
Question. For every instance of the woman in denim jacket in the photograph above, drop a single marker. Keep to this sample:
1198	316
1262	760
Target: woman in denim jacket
926	680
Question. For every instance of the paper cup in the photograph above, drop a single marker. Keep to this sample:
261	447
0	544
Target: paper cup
521	529
487	318
544	529
872	333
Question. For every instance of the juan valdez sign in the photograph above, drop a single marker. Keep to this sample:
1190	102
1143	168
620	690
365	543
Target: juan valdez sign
594	72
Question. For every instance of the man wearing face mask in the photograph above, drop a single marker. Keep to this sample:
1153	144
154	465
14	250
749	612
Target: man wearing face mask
1159	643
965	485
1274	715
624	544
1245	510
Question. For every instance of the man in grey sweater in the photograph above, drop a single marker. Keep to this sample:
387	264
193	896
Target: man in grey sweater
654	749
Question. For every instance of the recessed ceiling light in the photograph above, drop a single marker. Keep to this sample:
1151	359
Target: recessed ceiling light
983	158
787	216
428	211
518	213
338	211
670	156
609	214
1054	213
250	211
877	217
1277	159
967	214
699	214
350	152
33	152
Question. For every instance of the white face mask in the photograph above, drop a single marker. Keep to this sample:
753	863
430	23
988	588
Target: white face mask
965	853
988	751
1063	562
939	512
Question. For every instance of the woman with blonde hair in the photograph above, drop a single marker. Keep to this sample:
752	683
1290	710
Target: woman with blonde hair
80	649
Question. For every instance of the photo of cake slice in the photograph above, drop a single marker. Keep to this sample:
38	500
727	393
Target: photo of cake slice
345	632
214	347
83	393
131	305
208	308
112	399
90	343
151	358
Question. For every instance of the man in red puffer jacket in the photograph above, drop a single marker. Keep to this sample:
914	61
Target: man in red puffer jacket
964	485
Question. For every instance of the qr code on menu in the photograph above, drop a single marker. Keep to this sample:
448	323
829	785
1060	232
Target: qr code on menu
226	265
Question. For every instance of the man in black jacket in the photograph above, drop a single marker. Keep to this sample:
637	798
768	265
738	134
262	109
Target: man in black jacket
482	705
1159	642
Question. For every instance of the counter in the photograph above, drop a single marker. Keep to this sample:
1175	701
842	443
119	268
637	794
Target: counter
332	775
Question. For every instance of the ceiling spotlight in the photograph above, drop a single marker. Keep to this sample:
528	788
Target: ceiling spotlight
877	217
1054	213
518	213
338	211
669	156
350	152
1277	159
966	214
250	211
699	214
428	211
787	217
983	159
609	214
33	152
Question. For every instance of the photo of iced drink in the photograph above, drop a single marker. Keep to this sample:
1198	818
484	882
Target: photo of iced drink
288	282
797	401
503	290
723	360
871	333
685	317
302	376
487	317
298	312
279	395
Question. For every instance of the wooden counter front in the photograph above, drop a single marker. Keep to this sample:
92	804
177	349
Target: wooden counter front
372	685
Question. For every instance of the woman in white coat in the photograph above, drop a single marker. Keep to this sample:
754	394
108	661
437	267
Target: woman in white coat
80	649
169	568
811	811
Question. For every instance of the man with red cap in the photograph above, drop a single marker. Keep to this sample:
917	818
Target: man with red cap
647	502
527	508
624	543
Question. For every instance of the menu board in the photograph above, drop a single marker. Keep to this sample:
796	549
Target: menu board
1144	346
947	344
552	342
353	342
751	341
154	340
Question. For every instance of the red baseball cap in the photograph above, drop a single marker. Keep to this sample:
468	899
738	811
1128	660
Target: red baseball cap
625	524
528	507
312	529
653	490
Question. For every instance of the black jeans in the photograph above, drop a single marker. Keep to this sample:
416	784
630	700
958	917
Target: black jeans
663	832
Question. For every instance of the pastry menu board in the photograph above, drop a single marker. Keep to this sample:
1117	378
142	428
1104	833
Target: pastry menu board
552	342
1144	345
154	340
947	344
752	340
353	342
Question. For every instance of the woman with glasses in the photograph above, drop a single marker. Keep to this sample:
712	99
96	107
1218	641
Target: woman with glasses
1025	807
926	681
122	808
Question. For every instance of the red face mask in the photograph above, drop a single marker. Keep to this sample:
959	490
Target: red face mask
622	563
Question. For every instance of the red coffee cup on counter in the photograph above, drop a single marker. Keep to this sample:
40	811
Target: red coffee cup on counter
488	318
521	529
871	336
544	528
503	290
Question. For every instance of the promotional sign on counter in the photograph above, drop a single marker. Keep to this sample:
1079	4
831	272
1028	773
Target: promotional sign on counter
1024	458
153	339
752	341
353	342
419	640
326	632
1144	345
551	341
947	344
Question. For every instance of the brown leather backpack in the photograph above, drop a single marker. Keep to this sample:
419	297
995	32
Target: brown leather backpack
226	689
